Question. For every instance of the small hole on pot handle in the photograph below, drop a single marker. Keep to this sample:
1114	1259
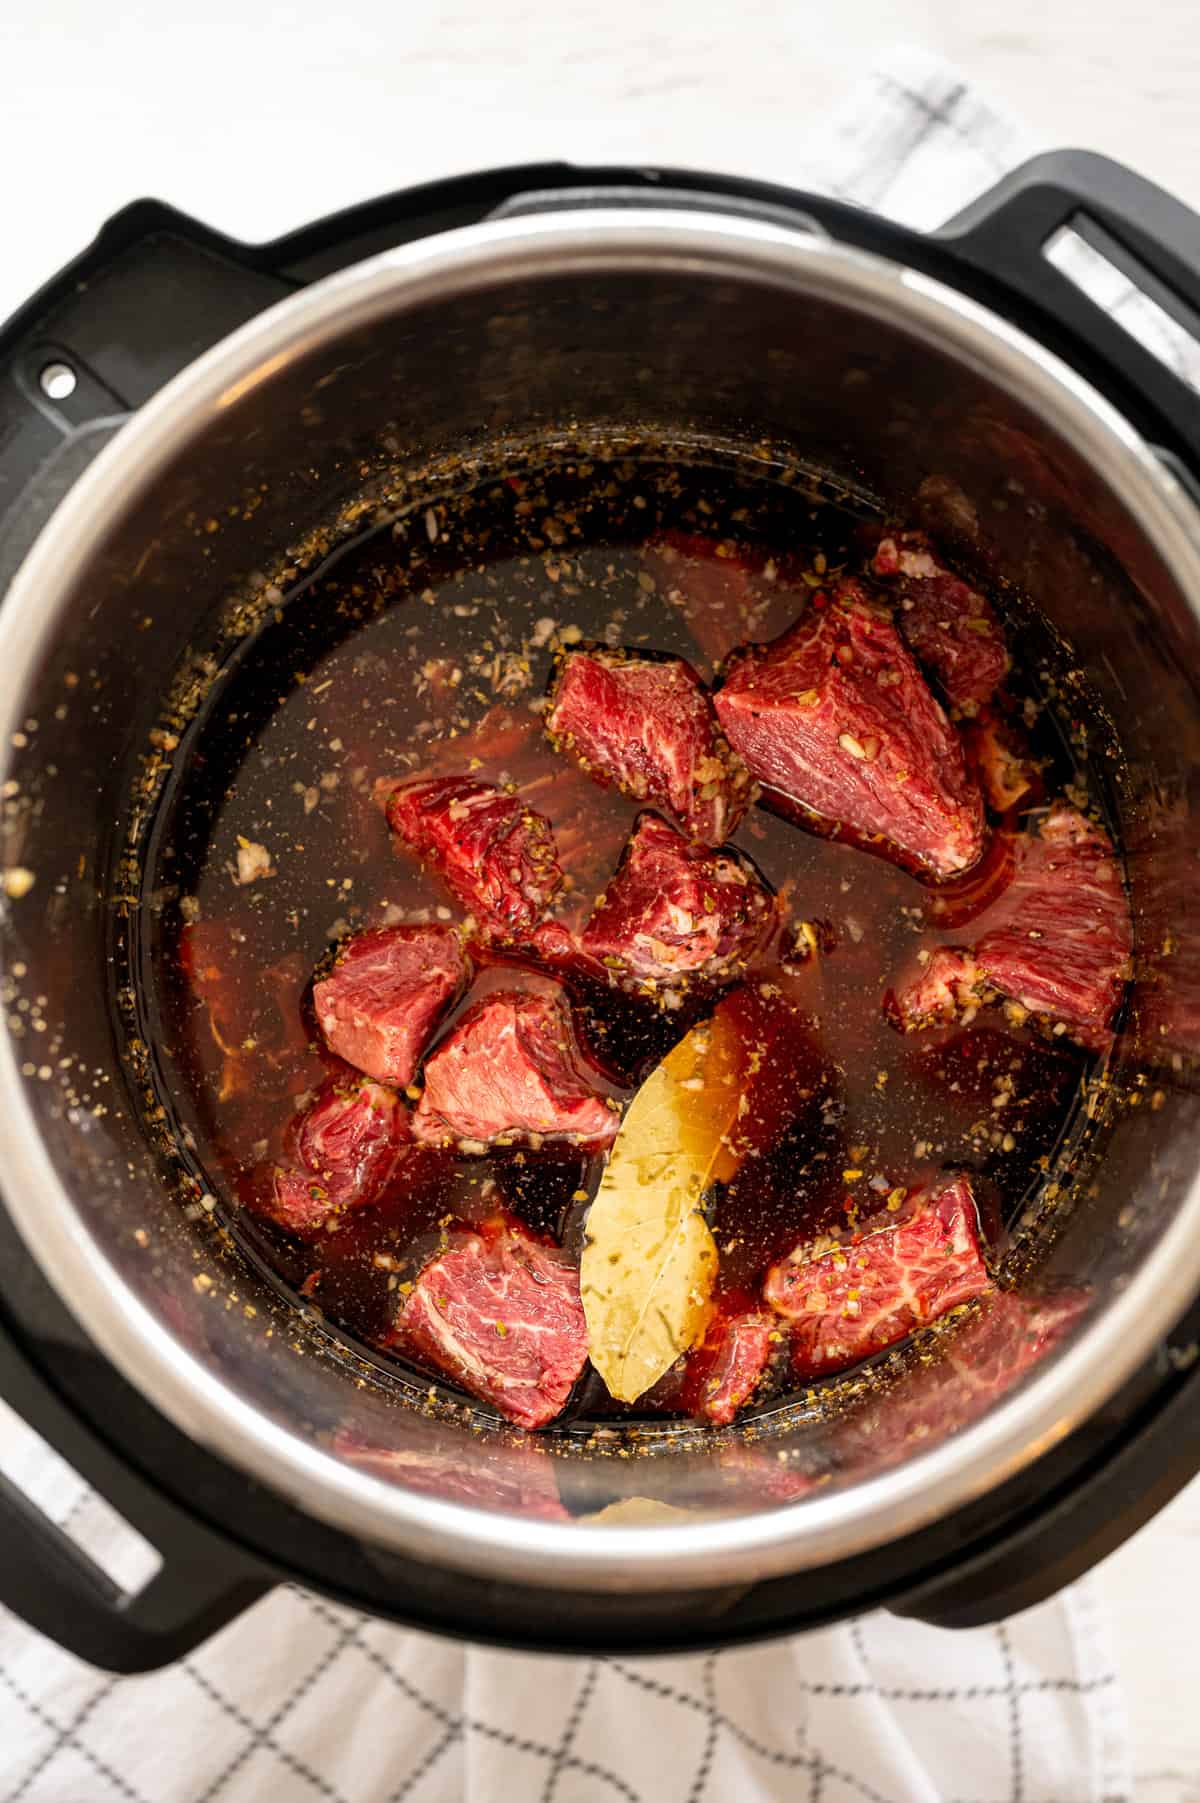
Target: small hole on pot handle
57	380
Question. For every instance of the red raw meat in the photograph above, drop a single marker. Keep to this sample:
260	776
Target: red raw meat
936	992
517	1478
948	625
511	1070
645	725
387	991
867	1292
723	598
495	853
836	719
1064	939
501	1316
725	1369
1058	943
673	911
343	1151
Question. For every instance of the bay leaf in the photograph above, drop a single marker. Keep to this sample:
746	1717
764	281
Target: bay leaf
649	1259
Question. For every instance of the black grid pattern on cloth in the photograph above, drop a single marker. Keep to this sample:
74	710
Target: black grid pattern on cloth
263	1735
912	119
462	1725
64	1737
417	1758
930	114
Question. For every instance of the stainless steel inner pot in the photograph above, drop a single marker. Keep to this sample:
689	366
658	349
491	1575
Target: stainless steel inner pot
575	322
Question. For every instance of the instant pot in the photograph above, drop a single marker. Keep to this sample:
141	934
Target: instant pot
177	411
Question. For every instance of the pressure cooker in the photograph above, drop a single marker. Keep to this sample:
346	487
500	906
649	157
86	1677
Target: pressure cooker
170	373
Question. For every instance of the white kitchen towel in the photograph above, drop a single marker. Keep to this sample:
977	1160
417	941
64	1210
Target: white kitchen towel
305	1701
302	1699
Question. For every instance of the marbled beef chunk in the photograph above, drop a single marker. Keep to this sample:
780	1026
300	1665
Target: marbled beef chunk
512	1071
948	625
340	1153
500	1314
1058	942
836	719
726	1368
853	1298
675	913
645	725
495	853
383	998
1062	944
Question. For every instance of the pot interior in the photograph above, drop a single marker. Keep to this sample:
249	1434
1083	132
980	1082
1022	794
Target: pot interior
346	425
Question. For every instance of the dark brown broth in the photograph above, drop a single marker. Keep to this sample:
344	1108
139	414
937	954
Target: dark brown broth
413	653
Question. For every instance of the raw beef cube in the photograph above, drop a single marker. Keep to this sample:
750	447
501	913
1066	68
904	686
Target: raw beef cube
674	912
646	725
836	719
383	998
343	1150
511	1070
501	1316
493	851
867	1292
948	625
725	1369
1062	937
936	992
1058	941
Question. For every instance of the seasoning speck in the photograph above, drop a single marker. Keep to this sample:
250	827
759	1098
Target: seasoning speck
18	881
253	862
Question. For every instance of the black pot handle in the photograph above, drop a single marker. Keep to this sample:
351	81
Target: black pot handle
1153	239
202	1583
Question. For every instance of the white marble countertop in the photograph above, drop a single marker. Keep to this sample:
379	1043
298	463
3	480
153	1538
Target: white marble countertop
259	117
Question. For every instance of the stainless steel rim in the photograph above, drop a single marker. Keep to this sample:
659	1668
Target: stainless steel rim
821	1529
